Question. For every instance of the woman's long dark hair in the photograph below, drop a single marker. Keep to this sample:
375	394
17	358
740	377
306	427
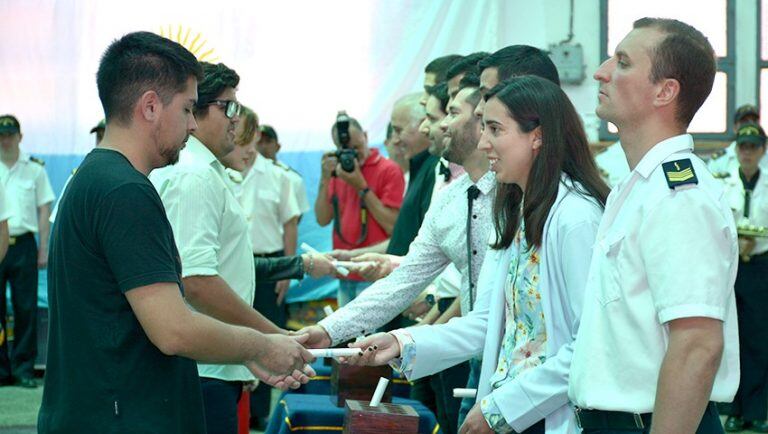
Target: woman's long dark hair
535	102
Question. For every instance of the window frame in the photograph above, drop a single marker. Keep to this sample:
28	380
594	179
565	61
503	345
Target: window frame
725	64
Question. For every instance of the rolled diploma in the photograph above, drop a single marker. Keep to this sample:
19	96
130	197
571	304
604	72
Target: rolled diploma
464	393
379	393
334	352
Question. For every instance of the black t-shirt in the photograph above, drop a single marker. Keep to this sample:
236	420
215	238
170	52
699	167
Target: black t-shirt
103	374
415	203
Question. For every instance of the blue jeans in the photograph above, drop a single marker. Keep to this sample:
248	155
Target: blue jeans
350	289
472	382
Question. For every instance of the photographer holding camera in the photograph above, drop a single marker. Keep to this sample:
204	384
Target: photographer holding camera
360	192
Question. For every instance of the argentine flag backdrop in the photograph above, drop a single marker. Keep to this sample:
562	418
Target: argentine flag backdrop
299	62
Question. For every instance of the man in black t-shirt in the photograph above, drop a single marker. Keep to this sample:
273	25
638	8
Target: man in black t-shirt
122	339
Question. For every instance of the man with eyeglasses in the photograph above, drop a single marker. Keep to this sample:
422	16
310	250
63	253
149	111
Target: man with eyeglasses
212	236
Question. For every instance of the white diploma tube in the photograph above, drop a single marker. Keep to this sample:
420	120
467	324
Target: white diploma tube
309	249
464	393
328	310
334	352
379	393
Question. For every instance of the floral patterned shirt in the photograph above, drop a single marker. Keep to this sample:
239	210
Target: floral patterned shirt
525	336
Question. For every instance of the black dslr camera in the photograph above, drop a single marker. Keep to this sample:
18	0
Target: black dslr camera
345	155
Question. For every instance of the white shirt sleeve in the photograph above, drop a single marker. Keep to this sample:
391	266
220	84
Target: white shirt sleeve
687	247
5	209
43	190
288	207
194	208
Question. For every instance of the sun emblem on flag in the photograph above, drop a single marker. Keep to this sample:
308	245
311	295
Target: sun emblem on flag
196	45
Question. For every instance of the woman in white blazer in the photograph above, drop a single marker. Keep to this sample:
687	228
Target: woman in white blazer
550	197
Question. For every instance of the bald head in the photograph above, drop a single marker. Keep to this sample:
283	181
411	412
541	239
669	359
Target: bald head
407	114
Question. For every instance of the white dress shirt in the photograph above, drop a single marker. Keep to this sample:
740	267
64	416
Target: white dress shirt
297	183
5	209
613	163
28	188
210	230
269	202
661	254
758	205
442	239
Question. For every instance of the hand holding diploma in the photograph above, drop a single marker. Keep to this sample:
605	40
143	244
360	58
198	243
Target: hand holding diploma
377	350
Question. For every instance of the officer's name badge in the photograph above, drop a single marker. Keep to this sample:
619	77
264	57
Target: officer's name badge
679	173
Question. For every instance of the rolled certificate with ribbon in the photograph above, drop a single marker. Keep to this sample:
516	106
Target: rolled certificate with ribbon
464	393
335	352
379	393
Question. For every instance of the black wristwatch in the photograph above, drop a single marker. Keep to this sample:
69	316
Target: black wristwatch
363	192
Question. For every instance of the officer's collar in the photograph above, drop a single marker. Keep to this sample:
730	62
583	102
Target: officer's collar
656	155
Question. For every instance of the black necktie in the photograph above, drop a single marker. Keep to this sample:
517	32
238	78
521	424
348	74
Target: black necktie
445	171
472	193
749	187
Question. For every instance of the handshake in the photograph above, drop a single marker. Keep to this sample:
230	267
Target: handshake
370	266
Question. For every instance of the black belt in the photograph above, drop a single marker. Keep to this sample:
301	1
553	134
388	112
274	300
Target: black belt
268	255
611	420
13	240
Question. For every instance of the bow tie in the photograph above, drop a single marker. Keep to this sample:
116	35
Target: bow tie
445	171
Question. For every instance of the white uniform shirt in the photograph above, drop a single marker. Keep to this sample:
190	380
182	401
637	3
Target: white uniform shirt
269	202
28	188
726	161
5	210
297	183
758	205
210	230
613	163
660	255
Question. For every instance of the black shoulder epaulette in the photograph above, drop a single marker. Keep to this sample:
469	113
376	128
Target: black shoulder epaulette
37	160
679	172
717	154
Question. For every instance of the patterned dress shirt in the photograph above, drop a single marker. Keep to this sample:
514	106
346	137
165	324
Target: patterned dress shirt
442	239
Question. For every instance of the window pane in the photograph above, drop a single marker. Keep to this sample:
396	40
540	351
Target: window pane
711	117
710	18
764	29
763	93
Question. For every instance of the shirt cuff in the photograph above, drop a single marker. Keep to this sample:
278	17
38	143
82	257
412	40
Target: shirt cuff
690	311
493	415
404	363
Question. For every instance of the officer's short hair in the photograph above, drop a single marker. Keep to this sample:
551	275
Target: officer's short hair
440	91
466	64
440	66
685	55
139	62
518	60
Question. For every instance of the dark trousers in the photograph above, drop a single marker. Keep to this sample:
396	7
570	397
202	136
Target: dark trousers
220	400
265	301
473	380
443	384
751	400
710	424
20	269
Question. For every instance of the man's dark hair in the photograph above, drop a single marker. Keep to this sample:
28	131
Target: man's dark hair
440	91
139	62
216	79
390	131
470	79
465	64
685	55
518	60
440	66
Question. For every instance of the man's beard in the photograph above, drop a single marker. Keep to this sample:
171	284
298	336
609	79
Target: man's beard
171	154
462	143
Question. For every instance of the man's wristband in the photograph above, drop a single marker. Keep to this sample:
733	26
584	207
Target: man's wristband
363	192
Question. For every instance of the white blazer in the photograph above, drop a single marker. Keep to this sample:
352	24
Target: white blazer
542	392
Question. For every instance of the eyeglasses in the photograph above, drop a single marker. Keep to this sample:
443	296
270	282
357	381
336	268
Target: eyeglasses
231	108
